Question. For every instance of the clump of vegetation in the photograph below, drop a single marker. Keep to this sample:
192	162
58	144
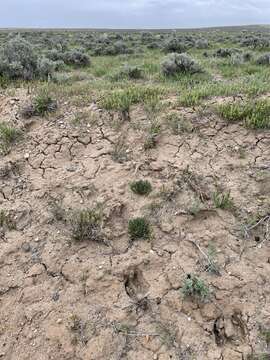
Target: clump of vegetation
174	45
44	104
76	58
223	53
201	44
8	136
86	225
122	99
263	59
6	220
256	115
195	207
195	288
222	200
47	67
212	264
265	333
18	60
255	42
141	187
119	152
179	63
139	228
152	134
178	124
128	72
79	329
263	356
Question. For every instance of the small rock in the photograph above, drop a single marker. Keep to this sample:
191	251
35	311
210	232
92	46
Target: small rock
167	227
26	156
35	270
26	247
71	168
55	296
157	166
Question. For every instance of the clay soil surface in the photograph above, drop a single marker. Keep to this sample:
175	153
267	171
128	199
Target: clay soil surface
121	299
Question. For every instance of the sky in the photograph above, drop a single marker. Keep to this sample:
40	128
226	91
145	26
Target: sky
132	13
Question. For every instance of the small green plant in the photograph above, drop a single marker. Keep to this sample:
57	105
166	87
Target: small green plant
195	207
263	356
141	187
265	333
8	136
222	200
43	104
152	133
139	228
212	264
86	225
195	287
122	328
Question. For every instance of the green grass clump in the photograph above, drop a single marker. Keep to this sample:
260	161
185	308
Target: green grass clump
86	225
222	200
152	133
139	228
8	136
195	287
263	356
256	115
141	187
43	104
122	99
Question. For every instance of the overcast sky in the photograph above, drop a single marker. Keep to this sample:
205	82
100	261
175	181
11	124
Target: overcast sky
132	13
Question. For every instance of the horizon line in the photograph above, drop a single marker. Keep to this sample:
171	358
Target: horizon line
12	28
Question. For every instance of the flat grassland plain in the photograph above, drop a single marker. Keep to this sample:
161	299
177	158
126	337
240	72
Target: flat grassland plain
134	194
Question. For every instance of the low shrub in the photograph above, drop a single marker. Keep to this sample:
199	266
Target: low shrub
263	59
8	136
201	44
139	228
141	187
76	58
18	60
195	288
43	103
223	53
174	45
86	225
179	63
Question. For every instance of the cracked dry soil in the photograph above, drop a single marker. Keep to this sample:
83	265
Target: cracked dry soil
65	300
